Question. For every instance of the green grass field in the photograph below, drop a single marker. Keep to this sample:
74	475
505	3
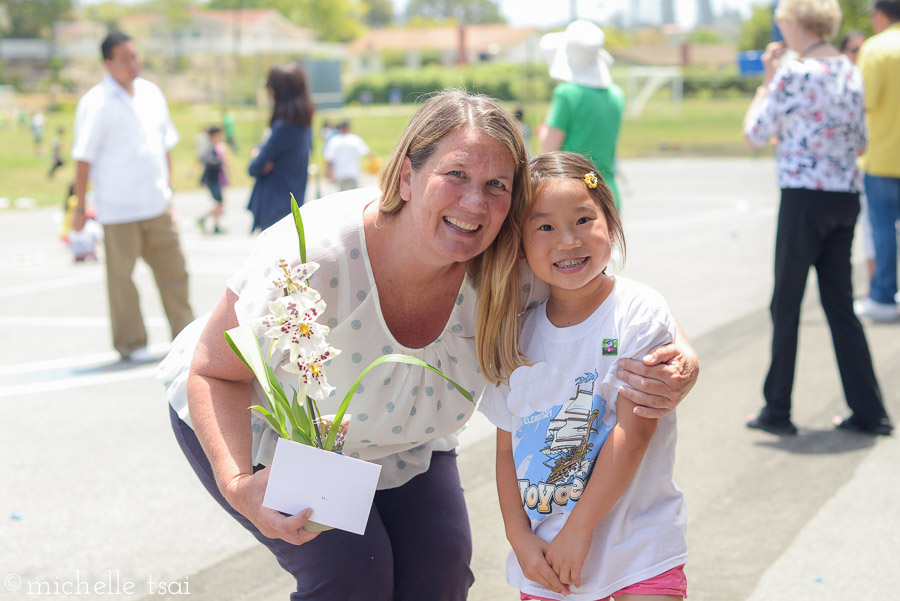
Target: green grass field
705	127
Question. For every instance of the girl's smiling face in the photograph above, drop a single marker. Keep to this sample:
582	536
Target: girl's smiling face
459	198
566	238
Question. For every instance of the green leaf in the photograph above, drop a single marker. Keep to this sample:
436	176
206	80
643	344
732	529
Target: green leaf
298	222
300	415
278	426
243	342
298	436
394	358
278	410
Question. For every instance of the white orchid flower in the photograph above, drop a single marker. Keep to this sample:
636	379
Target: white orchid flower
291	325
311	373
294	279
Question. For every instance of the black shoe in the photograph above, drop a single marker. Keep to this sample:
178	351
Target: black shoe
782	427
883	427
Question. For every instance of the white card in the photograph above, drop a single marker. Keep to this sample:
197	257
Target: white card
339	489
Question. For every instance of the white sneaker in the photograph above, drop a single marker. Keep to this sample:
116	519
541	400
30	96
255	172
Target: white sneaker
866	307
142	355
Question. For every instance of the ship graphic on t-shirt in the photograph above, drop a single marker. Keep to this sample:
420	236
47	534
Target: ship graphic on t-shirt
557	448
568	436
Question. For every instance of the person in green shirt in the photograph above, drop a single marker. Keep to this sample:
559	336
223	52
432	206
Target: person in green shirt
586	110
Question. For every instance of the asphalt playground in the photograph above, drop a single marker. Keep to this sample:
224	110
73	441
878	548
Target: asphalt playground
97	502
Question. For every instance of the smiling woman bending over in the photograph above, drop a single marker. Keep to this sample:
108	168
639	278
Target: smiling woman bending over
398	271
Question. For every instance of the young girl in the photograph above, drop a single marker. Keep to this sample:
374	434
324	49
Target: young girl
585	485
215	163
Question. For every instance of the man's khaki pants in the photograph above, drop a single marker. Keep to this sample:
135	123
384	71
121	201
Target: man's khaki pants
156	241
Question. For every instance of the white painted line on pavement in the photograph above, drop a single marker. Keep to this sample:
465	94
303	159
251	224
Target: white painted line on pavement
79	362
46	285
80	381
69	321
697	219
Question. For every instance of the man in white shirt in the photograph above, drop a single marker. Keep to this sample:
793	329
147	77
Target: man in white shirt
123	139
343	151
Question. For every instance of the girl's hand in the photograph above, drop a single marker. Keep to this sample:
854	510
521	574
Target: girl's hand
771	58
661	380
531	552
245	493
567	553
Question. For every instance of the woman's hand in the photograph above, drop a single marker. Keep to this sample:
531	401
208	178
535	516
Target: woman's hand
662	379
245	493
771	58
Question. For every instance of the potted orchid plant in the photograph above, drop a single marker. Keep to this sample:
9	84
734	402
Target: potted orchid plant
299	345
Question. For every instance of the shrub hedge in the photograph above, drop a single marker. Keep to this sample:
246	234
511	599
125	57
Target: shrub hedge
508	82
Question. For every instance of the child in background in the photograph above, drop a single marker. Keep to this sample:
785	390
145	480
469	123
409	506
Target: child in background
56	160
230	136
342	153
585	485
214	177
83	243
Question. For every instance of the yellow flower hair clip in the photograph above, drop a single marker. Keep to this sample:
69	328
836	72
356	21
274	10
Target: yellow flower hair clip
590	178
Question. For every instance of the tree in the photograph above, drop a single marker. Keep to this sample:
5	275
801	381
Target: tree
334	20
473	12
377	13
176	12
109	13
178	16
856	16
705	35
757	30
32	18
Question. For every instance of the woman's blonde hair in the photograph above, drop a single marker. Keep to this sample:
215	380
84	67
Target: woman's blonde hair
819	17
435	120
442	114
499	305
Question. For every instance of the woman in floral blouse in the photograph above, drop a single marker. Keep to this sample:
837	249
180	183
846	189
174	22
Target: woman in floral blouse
812	103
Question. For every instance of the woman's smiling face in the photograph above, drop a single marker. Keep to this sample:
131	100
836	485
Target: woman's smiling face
459	198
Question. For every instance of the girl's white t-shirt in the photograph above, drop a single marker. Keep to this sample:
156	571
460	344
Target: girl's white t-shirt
400	413
560	411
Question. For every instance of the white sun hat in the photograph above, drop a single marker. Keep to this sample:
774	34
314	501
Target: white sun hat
576	55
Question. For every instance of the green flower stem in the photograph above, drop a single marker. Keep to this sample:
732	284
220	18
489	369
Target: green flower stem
394	358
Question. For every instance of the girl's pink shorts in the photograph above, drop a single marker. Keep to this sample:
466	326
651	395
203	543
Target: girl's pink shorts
672	582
